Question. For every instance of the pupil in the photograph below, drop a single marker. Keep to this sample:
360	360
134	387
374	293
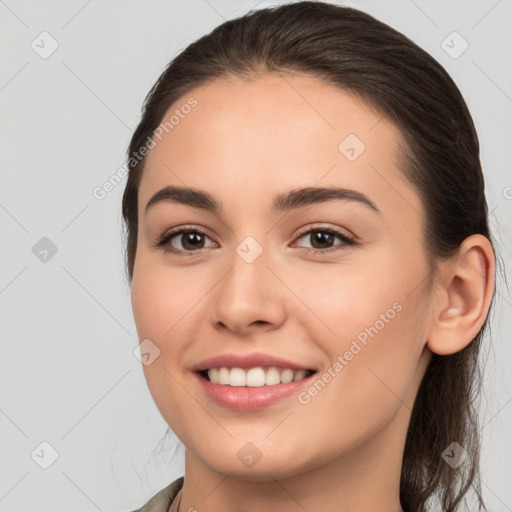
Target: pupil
194	239
321	237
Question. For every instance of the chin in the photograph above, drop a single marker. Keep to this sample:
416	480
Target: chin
251	465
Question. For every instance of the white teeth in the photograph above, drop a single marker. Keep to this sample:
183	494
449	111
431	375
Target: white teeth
223	377
299	375
213	374
237	377
254	377
272	377
287	375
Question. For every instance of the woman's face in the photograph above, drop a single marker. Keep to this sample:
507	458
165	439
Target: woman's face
252	279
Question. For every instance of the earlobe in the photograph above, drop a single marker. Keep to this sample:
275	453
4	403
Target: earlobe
463	295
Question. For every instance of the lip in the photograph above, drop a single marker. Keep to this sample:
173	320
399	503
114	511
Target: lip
246	361
245	398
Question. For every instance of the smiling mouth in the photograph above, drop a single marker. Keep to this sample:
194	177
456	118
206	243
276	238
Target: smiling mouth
258	376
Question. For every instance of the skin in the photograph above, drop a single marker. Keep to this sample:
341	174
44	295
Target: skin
244	142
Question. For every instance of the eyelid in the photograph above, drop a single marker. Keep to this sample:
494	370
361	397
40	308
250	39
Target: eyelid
162	241
347	240
326	227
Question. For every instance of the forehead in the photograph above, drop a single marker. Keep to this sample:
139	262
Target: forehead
274	132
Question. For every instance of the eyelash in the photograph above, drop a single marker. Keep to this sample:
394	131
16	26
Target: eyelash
163	241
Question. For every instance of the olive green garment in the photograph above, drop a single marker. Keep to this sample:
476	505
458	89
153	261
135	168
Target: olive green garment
162	500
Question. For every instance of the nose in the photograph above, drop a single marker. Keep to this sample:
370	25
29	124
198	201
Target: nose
249	298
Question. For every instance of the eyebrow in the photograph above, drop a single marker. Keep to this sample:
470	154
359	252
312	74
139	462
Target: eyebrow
290	200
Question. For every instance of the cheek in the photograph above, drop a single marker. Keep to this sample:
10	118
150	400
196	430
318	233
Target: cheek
346	298
157	311
161	300
160	306
148	304
372	321
369	380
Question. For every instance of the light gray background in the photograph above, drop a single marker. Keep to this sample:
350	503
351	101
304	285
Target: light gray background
68	374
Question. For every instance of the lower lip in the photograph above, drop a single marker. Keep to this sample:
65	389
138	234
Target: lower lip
245	398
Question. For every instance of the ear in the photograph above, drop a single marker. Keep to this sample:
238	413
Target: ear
463	293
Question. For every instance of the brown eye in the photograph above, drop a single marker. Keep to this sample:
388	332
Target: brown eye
182	241
319	238
190	240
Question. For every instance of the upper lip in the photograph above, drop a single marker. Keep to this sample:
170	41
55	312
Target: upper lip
247	361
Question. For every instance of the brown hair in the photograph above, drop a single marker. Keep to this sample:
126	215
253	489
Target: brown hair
389	72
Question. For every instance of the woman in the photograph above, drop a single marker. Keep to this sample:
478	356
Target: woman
311	267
